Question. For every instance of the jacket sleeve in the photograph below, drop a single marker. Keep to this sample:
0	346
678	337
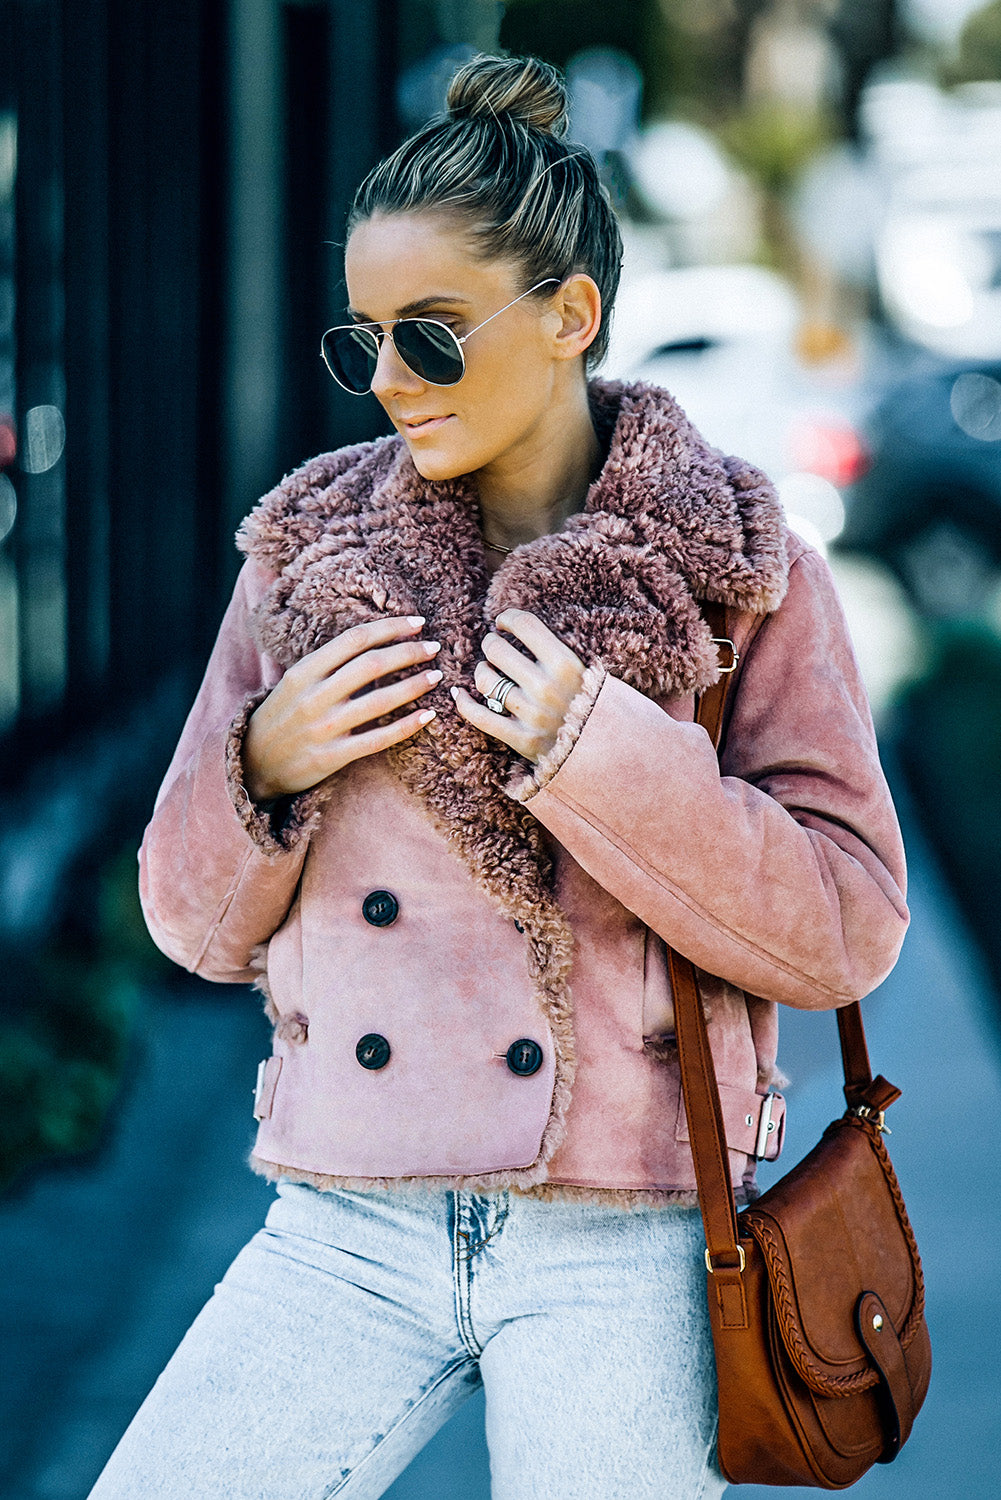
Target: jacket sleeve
781	871
217	874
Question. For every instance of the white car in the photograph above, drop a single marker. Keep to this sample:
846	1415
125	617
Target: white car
722	340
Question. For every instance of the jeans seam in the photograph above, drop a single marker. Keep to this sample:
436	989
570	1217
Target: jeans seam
462	1280
346	1479
499	1222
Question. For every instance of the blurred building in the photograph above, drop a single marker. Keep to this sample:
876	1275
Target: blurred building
173	184
173	180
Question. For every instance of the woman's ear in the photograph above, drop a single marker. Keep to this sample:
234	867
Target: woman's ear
578	302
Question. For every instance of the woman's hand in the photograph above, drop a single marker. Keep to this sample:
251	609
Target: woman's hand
305	729
544	687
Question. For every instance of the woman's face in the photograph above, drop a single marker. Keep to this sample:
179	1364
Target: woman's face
422	265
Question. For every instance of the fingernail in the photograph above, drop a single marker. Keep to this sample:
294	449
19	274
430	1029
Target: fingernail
431	647
454	691
415	620
427	716
435	676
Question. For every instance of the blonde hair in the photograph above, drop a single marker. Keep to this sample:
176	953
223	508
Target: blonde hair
498	162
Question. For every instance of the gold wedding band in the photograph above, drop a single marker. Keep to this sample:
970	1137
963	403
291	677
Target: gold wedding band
498	697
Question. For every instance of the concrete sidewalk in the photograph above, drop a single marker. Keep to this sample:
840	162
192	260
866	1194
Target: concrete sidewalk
106	1263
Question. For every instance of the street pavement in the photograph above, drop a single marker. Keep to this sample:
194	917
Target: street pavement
107	1261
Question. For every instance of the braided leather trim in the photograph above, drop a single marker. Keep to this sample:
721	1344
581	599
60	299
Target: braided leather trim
814	1374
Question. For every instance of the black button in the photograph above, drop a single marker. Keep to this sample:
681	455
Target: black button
518	925
380	908
373	1051
524	1057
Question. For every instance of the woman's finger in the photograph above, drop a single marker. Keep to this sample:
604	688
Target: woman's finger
371	741
352	642
353	712
487	680
499	726
510	662
366	668
546	647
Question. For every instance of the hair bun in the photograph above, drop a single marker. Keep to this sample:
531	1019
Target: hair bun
525	89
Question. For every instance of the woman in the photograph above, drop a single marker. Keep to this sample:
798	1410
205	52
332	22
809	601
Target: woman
441	797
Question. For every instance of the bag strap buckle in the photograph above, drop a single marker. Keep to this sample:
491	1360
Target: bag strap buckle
731	666
739	1267
877	1116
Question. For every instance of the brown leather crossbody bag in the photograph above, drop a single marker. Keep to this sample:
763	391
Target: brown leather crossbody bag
815	1291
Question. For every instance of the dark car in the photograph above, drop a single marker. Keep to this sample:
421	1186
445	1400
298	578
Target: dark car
929	503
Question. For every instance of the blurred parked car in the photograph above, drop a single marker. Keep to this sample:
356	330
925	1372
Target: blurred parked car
723	340
938	257
929	504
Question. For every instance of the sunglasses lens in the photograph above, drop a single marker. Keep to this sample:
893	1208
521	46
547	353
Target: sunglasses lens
430	349
351	355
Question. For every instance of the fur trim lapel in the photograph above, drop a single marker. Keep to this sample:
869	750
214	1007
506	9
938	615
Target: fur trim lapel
359	534
667	521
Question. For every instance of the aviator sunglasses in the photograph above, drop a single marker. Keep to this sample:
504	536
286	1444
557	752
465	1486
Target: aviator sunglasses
429	348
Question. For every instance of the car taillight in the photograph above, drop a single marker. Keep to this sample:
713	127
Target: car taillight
832	449
8	443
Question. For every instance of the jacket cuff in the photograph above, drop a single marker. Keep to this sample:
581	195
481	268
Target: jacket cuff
521	788
275	827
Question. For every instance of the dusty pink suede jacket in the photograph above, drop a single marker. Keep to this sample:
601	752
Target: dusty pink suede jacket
463	955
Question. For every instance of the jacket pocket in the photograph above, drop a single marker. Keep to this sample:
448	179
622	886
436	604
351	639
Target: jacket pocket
285	970
658	1002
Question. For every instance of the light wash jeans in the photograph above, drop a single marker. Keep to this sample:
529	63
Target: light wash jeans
354	1324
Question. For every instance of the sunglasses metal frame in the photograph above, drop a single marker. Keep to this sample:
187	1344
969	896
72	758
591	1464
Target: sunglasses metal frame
386	331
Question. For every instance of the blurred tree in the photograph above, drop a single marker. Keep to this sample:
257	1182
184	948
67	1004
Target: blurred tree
556	29
694	56
425	24
773	140
691	52
866	33
979	56
705	45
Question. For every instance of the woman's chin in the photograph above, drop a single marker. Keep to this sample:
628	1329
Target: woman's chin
438	467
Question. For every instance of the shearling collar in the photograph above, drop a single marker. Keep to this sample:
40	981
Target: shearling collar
358	534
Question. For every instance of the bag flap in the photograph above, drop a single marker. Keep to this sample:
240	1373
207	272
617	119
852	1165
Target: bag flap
833	1228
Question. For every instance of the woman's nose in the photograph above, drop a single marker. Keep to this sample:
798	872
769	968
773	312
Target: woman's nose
391	374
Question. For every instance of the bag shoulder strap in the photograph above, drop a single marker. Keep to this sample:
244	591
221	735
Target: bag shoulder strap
706	1130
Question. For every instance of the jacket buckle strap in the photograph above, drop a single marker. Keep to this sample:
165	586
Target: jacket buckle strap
766	1127
264	1092
726	667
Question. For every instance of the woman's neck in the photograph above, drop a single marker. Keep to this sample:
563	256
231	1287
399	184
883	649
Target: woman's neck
534	494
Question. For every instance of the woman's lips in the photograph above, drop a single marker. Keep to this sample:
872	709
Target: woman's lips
419	426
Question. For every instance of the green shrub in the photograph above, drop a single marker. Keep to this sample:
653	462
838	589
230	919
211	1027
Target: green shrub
69	1011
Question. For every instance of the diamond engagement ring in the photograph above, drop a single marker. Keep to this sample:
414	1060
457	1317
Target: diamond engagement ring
498	697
